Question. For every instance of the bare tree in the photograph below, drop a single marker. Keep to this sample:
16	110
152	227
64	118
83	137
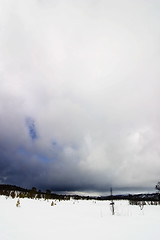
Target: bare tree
112	203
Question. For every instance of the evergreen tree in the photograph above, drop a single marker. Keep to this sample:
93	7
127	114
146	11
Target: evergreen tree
13	195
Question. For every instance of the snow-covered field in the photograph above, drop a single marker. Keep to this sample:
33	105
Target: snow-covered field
37	219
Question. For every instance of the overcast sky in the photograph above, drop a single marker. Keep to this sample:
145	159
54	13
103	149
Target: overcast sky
80	94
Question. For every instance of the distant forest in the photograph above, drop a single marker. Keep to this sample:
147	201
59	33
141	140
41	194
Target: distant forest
18	192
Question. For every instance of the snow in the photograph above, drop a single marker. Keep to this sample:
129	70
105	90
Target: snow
37	219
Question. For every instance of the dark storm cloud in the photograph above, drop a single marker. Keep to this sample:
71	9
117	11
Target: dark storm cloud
79	94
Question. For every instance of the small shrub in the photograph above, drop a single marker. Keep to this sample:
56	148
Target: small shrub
18	203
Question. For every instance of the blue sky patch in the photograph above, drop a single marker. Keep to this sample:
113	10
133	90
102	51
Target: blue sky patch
31	128
54	143
43	158
22	151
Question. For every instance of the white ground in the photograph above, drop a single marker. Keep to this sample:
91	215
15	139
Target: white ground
37	219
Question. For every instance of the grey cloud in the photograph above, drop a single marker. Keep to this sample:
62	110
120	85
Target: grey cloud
86	74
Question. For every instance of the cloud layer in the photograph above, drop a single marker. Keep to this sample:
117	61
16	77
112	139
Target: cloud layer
79	94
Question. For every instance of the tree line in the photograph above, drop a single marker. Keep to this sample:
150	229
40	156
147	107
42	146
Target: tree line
33	193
